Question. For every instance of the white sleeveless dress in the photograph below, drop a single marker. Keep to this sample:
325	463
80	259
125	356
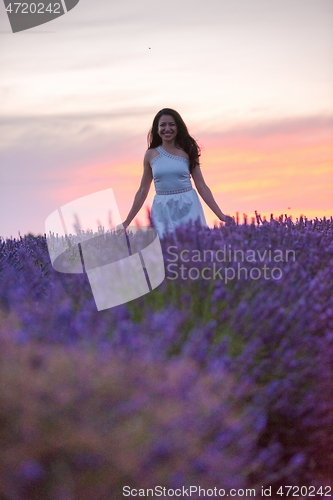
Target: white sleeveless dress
175	202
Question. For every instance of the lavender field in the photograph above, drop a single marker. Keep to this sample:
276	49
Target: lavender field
220	378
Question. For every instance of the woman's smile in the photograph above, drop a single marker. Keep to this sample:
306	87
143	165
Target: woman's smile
167	128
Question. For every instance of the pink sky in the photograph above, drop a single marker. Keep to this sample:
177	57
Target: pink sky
283	167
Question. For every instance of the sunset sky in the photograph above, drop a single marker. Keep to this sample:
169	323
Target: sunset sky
252	79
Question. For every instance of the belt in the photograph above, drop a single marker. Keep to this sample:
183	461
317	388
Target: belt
176	191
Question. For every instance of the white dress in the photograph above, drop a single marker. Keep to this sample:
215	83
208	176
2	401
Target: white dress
175	202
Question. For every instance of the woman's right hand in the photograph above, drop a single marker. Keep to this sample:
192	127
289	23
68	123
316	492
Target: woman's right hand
121	228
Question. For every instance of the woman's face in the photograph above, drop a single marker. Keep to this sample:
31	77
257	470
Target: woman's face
167	128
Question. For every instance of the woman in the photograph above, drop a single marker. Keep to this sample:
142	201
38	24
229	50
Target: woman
171	159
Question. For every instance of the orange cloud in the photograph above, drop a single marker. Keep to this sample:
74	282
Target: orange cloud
272	168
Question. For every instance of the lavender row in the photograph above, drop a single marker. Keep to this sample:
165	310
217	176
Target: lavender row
260	349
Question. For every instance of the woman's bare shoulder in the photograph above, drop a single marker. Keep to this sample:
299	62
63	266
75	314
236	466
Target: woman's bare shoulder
180	152
184	154
151	154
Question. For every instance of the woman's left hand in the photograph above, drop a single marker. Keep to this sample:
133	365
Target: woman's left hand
228	220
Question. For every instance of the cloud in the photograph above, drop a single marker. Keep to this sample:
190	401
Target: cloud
294	125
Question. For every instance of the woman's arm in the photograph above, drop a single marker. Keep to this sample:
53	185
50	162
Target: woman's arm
143	190
207	195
